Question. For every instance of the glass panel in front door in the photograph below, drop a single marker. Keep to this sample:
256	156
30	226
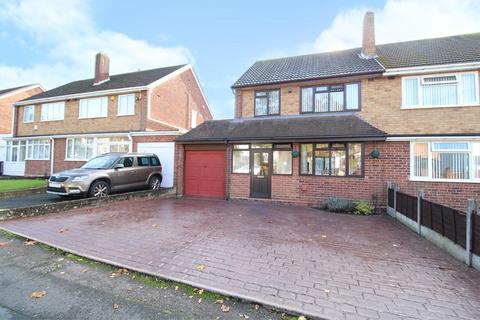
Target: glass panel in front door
260	164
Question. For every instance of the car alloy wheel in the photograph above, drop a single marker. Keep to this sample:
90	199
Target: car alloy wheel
100	190
155	183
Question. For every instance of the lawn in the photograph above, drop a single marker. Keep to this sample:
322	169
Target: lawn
7	185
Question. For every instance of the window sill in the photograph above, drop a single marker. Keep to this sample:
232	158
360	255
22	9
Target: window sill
76	160
51	120
125	115
37	159
440	107
99	117
443	180
26	122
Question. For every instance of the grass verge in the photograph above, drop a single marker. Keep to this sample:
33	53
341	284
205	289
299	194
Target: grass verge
10	185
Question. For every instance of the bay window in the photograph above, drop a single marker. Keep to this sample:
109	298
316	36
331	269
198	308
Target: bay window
52	111
38	149
455	89
83	149
267	102
331	159
445	161
93	108
330	98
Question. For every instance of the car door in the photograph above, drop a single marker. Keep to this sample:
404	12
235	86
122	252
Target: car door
142	171
121	177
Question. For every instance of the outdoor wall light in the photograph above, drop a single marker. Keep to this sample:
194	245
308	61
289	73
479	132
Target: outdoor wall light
295	154
375	154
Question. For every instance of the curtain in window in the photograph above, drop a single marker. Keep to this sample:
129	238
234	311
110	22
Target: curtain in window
450	165
411	91
336	99
440	94
306	159
420	159
274	101
355	159
282	162
469	90
307	97
241	161
261	106
321	102
322	162
352	96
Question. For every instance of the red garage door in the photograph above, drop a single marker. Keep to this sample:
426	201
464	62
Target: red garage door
205	173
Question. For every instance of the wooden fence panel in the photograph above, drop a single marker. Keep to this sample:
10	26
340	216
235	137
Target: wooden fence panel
448	223
426	208
476	234
407	205
391	196
460	228
437	220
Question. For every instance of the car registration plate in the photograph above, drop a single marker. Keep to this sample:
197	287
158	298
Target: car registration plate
54	184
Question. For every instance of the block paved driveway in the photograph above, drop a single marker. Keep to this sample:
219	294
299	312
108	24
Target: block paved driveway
307	261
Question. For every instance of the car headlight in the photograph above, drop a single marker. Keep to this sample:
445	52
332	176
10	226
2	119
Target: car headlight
79	178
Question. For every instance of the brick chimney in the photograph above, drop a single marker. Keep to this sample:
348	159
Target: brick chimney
368	41
102	68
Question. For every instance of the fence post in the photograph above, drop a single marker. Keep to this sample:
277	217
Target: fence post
472	206
419	211
395	190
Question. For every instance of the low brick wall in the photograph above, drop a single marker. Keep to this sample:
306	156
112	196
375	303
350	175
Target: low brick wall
23	212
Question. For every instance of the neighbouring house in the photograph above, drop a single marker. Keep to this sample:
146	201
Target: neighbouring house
140	111
344	123
7	98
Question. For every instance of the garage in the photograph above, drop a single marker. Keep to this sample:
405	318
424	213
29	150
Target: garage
166	153
205	173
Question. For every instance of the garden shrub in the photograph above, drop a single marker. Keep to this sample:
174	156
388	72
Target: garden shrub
363	208
339	205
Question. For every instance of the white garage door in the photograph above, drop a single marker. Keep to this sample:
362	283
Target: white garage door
166	153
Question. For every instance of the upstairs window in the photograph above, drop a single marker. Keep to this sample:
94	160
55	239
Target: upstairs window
267	102
333	98
440	90
126	105
52	111
28	114
93	108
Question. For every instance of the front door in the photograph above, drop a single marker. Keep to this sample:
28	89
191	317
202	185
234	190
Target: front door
261	174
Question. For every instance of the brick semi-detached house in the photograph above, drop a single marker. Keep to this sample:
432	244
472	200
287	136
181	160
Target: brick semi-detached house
7	99
344	123
139	111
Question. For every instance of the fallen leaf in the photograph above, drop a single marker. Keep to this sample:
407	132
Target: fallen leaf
115	306
38	294
257	307
200	300
61	259
62	272
200	291
30	242
225	308
84	270
118	273
324	236
3	244
302	318
395	245
62	230
154	225
176	288
246	316
326	290
200	267
219	301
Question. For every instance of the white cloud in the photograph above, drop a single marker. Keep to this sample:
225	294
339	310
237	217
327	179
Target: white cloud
69	38
400	20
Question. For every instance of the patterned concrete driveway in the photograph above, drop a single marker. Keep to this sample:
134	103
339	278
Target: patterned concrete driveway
307	261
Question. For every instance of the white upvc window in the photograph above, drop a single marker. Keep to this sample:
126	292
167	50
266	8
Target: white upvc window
442	90
194	119
38	149
126	104
15	151
52	111
449	161
28	114
83	149
93	108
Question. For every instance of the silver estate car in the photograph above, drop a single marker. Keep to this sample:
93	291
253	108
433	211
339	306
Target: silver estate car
110	172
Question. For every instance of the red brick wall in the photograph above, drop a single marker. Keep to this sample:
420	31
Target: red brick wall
173	101
60	164
6	107
393	166
37	168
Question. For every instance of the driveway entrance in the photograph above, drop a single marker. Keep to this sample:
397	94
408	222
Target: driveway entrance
307	261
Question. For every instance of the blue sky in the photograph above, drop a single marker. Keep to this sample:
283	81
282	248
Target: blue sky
54	42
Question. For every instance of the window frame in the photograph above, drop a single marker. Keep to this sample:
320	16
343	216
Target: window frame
329	86
95	146
267	91
347	167
89	99
49	104
15	145
251	150
29	107
420	81
118	105
429	178
30	144
290	149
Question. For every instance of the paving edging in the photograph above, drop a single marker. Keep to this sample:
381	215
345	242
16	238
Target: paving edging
41	209
20	193
223	292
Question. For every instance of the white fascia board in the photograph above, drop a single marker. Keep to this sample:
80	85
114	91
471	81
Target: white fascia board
155	133
433	138
82	95
432	68
99	135
11	93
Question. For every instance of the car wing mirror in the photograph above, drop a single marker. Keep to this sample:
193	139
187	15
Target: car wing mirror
118	166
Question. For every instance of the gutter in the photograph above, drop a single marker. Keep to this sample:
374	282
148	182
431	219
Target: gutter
52	158
431	68
324	138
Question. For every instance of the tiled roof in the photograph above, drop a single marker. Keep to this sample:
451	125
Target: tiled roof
4	91
119	81
318	127
446	50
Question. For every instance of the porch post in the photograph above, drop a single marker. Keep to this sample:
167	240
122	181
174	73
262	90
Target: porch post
227	182
472	207
419	211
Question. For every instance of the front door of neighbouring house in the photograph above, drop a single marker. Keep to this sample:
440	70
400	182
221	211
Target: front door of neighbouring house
261	184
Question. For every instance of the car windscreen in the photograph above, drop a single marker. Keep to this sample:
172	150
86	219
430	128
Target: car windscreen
102	162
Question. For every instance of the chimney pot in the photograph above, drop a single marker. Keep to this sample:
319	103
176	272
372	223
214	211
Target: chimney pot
368	41
102	68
